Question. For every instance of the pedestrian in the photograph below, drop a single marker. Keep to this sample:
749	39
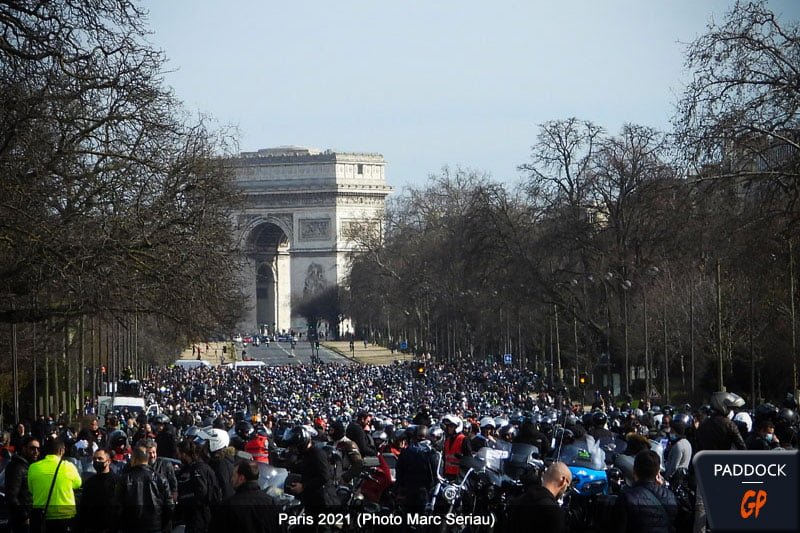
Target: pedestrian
540	503
52	482
101	499
648	506
146	502
18	496
249	509
679	455
161	466
763	438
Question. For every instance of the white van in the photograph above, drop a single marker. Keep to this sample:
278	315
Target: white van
191	363
246	364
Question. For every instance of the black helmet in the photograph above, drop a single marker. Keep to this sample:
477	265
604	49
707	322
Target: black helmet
508	432
417	432
787	416
298	437
599	419
118	439
789	401
668	410
161	418
336	430
765	411
586	420
244	429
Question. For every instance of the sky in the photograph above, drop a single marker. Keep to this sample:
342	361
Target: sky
429	83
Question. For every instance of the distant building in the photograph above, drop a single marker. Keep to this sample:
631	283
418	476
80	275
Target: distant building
301	206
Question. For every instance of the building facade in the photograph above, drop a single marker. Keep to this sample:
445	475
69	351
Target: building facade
301	206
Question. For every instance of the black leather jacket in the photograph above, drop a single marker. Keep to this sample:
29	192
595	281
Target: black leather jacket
718	433
146	501
18	496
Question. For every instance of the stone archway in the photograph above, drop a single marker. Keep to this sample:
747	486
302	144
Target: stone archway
267	254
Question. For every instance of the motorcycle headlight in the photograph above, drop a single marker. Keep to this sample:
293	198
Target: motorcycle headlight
450	493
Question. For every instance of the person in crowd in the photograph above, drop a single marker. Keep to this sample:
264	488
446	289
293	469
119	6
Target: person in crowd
166	437
19	433
249	509
18	496
763	438
198	490
220	459
679	454
55	507
147	505
100	505
486	437
359	432
161	466
541	502
352	462
649	506
416	471
456	446
311	478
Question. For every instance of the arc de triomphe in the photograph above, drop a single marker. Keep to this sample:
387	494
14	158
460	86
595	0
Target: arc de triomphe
300	205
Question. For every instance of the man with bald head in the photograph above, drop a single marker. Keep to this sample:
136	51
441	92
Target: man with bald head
538	508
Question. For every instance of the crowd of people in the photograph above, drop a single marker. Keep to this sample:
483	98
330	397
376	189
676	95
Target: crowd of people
197	457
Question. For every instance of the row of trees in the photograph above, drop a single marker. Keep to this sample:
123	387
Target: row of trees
115	226
666	258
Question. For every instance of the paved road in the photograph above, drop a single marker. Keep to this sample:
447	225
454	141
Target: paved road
280	353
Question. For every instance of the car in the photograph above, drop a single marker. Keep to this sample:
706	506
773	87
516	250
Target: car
247	340
284	337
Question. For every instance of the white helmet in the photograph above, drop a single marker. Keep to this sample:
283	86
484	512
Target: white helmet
746	419
453	419
657	420
500	422
217	439
487	421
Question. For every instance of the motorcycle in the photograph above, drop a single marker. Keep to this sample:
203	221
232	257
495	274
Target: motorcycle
588	502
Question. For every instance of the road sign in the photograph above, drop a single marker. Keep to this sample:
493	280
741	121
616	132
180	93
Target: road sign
403	345
507	358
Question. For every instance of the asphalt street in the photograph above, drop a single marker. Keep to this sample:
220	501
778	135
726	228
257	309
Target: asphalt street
281	353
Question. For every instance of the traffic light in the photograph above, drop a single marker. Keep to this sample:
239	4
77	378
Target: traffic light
583	379
420	370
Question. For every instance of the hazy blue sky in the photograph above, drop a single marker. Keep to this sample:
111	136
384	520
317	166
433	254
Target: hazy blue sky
433	83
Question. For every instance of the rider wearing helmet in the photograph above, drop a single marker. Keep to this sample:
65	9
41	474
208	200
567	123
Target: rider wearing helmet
680	449
166	437
220	461
456	446
486	437
718	432
416	468
357	431
599	429
786	427
242	432
352	462
257	445
312	482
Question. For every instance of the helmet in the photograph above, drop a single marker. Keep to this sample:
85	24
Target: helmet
766	411
454	420
487	422
217	439
379	435
161	418
586	420
244	429
656	420
638	413
744	421
399	434
336	429
787	416
599	419
683	418
418	432
192	433
722	402
297	437
435	433
668	410
789	401
500	422
118	439
508	432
